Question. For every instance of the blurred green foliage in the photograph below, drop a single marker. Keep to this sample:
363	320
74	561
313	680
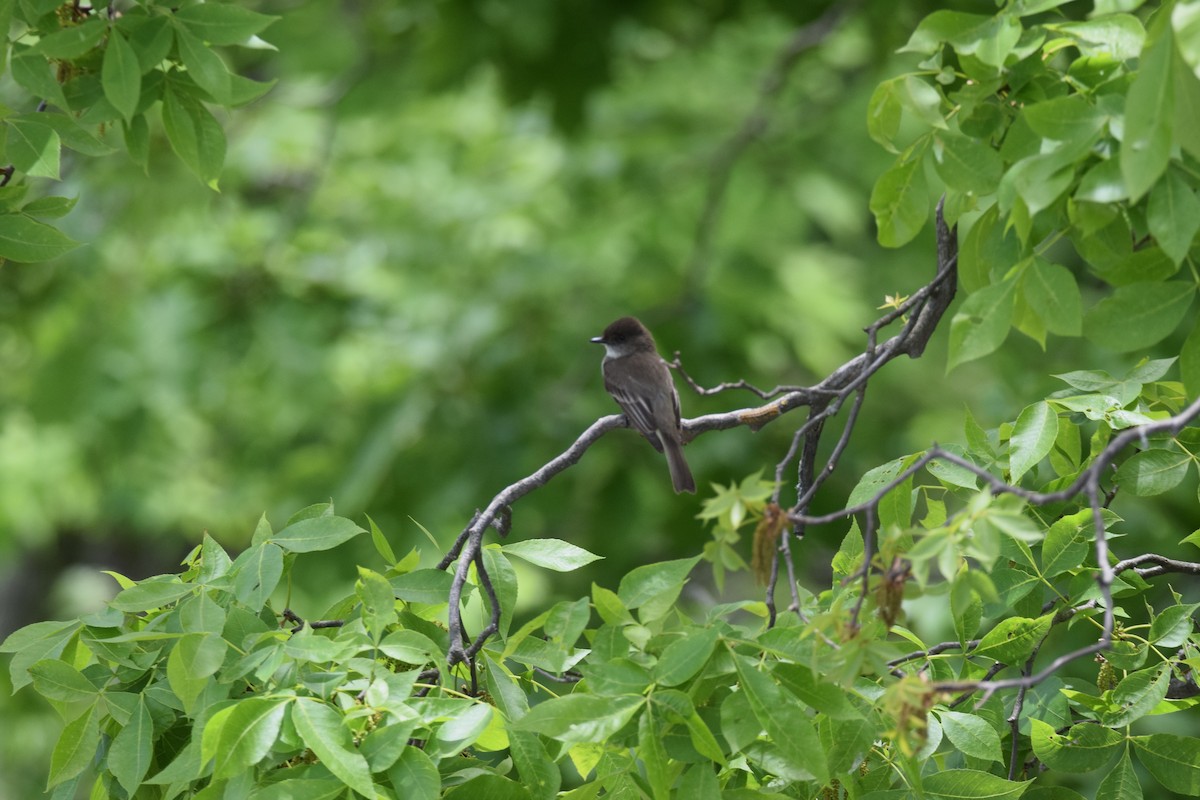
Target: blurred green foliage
418	228
388	302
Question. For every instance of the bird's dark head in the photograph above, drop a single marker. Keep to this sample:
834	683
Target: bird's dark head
626	335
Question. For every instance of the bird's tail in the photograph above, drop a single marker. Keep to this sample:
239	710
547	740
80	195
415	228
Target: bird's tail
681	476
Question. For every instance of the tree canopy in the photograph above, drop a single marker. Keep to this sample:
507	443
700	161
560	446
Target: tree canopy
356	254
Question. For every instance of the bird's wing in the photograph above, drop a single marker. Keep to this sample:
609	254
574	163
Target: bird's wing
642	401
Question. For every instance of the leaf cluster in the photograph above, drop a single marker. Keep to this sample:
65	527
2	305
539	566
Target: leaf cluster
97	77
1042	129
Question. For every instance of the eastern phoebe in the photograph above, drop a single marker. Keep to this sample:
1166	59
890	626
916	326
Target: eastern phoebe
640	381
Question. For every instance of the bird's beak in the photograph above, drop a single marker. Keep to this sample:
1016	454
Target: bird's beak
597	340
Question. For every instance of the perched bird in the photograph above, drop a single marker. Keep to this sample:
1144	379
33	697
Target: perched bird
640	381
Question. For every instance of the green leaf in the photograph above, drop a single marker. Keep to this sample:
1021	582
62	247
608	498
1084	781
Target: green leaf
205	67
34	642
1172	626
700	782
461	730
33	147
1032	438
987	250
1138	315
1070	118
961	784
703	740
1174	761
382	546
504	583
150	37
944	26
618	676
783	718
1037	181
1099	382
502	686
977	438
552	554
322	730
1013	639
982	323
308	645
69	131
256	574
487	786
32	72
966	164
25	240
70	43
990	39
952	474
151	593
650	581
924	101
316	533
185	767
75	748
1118	37
1189	363
1103	183
430	586
1121	782
200	613
578	718
971	734
685	657
200	654
1187	89
874	479
1052	293
243	90
1137	695
222	23
384	744
195	657
132	749
1150	371
414	776
1185	21
1153	472
378	602
1027	7
1173	214
538	771
884	113
308	788
214	561
566	620
1149	118
900	199
409	646
121	76
1066	544
895	507
653	755
1085	748
57	680
194	133
241	735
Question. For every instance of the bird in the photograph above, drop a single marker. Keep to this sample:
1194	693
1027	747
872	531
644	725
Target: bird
640	381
